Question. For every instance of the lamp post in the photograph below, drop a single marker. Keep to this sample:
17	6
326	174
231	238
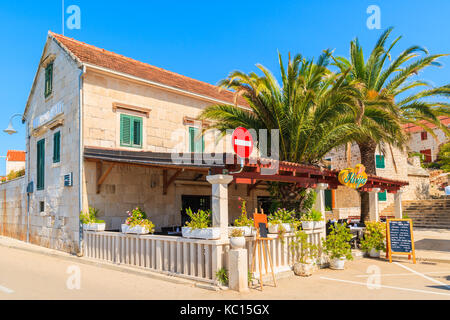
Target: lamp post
10	129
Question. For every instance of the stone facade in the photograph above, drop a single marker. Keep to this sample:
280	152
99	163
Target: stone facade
416	144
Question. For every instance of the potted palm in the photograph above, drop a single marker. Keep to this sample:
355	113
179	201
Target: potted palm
316	217
281	220
374	239
243	222
90	221
337	246
200	226
305	254
237	239
137	223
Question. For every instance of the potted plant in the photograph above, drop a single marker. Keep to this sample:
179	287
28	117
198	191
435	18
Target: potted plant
374	239
307	221
243	222
237	239
138	223
316	217
90	221
200	226
337	246
305	254
281	220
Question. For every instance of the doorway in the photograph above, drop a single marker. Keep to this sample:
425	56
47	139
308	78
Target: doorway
195	203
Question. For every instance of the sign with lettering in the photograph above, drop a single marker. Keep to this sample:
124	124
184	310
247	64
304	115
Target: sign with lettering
48	116
353	177
400	238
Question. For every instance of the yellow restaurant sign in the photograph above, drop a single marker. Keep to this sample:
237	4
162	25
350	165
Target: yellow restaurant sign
353	177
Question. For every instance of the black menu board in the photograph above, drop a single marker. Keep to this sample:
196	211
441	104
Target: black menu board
400	238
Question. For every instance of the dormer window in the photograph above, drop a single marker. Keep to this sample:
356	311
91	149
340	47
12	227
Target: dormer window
48	80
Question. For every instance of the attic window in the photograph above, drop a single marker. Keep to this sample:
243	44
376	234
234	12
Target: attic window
48	80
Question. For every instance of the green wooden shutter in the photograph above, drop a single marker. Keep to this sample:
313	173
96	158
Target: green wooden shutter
48	80
196	143
40	165
57	147
125	130
137	131
379	161
382	196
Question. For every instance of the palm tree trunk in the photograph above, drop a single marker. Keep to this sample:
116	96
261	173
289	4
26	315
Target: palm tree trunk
367	151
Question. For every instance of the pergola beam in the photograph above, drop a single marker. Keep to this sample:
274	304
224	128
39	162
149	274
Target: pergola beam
101	176
168	182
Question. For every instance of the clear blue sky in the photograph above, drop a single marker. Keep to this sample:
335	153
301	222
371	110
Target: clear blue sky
206	39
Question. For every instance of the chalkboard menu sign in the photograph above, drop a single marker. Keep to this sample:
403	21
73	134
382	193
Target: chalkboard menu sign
400	237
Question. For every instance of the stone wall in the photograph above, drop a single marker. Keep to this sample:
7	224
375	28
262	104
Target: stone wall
57	226
416	144
13	209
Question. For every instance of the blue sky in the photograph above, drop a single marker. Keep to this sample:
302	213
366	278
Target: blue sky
206	39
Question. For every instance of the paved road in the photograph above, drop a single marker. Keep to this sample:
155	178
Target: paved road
29	275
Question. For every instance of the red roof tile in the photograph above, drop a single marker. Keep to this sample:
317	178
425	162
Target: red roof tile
414	128
100	57
14	155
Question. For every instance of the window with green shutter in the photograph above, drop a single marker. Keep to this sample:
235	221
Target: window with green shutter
40	164
196	143
379	161
48	80
57	147
382	196
130	131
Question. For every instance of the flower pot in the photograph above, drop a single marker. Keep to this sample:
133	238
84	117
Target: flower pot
318	224
303	269
307	225
94	227
205	233
337	263
374	253
237	242
124	228
275	228
248	231
137	230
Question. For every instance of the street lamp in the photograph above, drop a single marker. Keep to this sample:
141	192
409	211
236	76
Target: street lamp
10	130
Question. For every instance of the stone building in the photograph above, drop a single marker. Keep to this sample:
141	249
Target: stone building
15	161
103	130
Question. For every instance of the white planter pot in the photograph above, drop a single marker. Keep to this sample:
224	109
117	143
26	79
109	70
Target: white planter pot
248	231
206	233
307	225
318	224
303	269
135	229
94	227
337	263
374	253
237	242
275	228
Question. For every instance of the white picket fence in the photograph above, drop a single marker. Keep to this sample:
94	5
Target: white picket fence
188	258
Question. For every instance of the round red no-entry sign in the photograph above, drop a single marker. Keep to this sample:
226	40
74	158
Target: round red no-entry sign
242	142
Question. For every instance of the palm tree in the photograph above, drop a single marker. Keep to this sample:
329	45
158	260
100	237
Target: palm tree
389	88
312	109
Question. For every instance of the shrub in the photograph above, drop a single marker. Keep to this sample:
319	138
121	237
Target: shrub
243	220
301	249
15	174
337	243
200	220
315	215
222	276
235	233
90	216
374	236
137	217
282	216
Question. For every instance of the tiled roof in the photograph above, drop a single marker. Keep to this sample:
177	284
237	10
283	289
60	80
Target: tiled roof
414	128
106	59
14	155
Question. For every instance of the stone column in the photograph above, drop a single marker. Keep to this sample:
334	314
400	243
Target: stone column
319	205
238	270
398	204
373	205
220	202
